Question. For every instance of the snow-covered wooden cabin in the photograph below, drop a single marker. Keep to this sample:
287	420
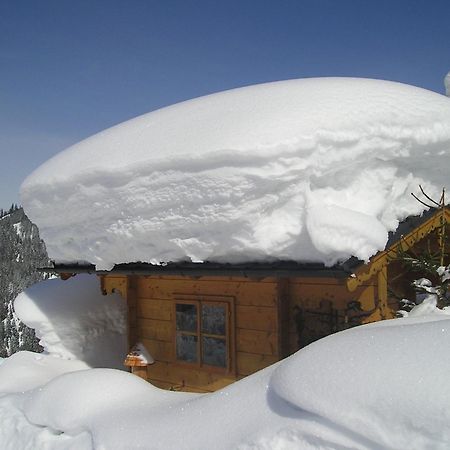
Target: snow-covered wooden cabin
207	325
271	186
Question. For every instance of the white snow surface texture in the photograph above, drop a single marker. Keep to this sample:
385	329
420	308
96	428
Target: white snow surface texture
447	84
378	386
74	321
313	169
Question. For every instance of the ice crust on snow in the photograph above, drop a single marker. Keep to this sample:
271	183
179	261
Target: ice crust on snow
306	170
74	321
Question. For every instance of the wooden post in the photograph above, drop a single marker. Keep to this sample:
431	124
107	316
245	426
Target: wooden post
442	231
131	312
383	293
283	303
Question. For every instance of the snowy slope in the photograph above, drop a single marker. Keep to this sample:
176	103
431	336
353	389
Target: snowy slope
378	386
307	170
372	387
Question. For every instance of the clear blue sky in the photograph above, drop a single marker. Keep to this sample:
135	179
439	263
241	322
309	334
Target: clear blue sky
71	68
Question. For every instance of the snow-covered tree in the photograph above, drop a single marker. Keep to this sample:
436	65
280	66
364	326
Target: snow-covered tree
21	253
430	265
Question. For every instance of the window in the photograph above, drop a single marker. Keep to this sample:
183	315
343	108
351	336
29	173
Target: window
203	333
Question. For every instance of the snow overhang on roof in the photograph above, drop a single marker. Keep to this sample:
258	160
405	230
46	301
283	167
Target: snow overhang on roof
408	233
302	170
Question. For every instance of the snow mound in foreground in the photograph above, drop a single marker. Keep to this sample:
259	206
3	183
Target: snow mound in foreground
24	370
73	320
379	386
311	170
74	400
390	375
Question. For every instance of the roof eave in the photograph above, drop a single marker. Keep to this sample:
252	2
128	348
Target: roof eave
188	269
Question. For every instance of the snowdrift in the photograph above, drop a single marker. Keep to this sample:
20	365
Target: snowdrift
74	321
306	170
379	386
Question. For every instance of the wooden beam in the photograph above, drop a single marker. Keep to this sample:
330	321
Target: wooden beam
283	302
385	311
383	258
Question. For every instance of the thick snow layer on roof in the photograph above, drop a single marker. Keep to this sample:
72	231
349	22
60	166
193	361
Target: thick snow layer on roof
379	386
306	170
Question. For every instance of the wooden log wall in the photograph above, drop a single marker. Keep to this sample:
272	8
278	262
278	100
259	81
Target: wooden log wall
273	318
319	307
256	331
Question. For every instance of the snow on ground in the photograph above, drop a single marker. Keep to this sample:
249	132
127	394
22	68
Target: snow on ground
378	386
315	169
391	375
74	321
310	170
30	370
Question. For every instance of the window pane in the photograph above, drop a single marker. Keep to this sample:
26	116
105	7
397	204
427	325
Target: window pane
213	319
186	317
214	351
187	347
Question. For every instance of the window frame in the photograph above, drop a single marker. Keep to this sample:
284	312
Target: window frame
229	336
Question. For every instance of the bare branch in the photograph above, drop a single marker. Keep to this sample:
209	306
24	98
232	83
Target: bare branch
420	201
429	198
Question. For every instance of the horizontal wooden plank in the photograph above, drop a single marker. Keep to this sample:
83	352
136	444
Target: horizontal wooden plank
257	341
160	350
257	294
179	375
161	384
115	284
314	280
161	330
311	296
164	384
256	318
164	288
248	363
195	389
149	308
245	292
313	293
